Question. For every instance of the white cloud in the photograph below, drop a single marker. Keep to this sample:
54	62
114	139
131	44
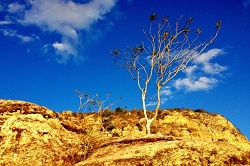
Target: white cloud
154	103
190	70
151	103
25	38
192	84
165	94
45	48
213	68
64	50
13	33
205	61
15	7
65	18
63	47
165	91
203	74
207	56
62	15
5	22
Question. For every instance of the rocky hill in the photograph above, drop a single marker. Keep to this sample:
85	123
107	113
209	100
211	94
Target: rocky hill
34	135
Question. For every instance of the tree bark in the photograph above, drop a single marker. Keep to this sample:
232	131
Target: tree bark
148	126
148	121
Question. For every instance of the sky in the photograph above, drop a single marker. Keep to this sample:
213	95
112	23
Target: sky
50	48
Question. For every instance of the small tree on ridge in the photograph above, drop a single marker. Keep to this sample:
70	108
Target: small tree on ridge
90	102
169	50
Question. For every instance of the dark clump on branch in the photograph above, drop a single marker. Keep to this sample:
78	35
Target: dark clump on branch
189	21
116	52
155	52
185	29
152	17
140	48
198	31
165	35
218	24
165	19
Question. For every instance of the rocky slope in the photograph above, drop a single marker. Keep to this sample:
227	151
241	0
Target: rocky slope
34	135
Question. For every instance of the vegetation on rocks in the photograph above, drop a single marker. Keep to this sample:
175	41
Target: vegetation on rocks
34	135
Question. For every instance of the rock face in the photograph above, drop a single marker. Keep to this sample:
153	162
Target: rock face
25	108
163	150
34	135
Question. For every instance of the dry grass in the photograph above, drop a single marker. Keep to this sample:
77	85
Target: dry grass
34	135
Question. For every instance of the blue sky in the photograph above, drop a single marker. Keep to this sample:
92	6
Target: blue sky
50	48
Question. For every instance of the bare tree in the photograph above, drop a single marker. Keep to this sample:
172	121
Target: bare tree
100	103
91	102
168	50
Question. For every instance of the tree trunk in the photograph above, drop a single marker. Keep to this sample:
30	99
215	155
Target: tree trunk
148	121
148	127
158	100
